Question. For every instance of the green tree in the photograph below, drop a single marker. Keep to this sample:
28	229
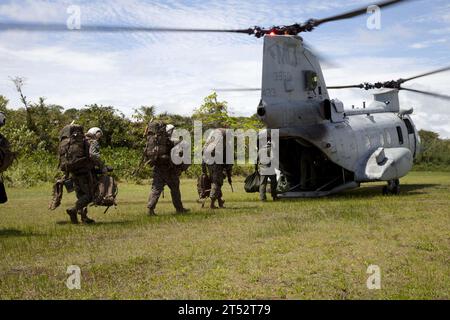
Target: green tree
213	113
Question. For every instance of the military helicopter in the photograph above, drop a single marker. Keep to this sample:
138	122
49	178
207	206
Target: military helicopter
324	147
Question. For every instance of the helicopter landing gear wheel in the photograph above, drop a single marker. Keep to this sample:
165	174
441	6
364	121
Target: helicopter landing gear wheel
393	188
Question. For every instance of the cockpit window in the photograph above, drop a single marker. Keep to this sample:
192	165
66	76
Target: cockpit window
409	126
400	135
311	80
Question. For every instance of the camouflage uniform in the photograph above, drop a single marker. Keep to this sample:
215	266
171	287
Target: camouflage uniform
6	158
84	184
165	174
267	173
94	153
217	173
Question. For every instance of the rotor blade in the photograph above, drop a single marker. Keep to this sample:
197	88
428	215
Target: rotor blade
325	61
56	27
237	89
355	13
431	94
359	86
426	74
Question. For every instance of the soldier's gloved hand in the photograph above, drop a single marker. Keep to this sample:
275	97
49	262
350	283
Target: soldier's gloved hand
105	170
110	169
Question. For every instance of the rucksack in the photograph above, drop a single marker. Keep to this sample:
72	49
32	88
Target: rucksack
158	147
6	155
73	150
106	192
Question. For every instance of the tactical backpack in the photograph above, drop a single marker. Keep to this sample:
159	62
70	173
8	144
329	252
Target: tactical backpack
73	150
106	192
158	147
6	155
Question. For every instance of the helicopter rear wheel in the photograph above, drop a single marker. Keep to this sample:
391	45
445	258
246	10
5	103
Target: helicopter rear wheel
393	188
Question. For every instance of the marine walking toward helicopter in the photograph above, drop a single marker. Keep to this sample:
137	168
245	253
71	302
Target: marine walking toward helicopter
7	157
215	166
157	154
84	172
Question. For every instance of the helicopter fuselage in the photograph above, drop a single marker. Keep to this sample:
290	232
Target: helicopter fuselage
324	147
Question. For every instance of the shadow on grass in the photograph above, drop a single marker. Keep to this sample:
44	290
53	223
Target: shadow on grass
7	233
99	223
375	191
406	190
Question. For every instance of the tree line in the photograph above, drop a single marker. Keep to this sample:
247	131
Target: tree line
33	131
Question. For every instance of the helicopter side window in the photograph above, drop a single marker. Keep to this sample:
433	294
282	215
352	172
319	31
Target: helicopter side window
311	80
409	126
400	135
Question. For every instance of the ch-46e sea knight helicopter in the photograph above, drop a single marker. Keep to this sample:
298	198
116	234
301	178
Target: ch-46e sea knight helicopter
337	148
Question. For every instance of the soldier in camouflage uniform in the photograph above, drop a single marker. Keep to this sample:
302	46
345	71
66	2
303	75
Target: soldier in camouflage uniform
267	173
217	172
84	181
166	173
7	156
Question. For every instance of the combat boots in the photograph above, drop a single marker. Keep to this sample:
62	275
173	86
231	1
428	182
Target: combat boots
151	212
84	218
213	204
73	215
183	210
221	203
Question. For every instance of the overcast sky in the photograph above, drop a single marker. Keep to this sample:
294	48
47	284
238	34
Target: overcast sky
175	71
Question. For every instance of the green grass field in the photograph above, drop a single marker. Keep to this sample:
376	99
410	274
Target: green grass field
293	249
